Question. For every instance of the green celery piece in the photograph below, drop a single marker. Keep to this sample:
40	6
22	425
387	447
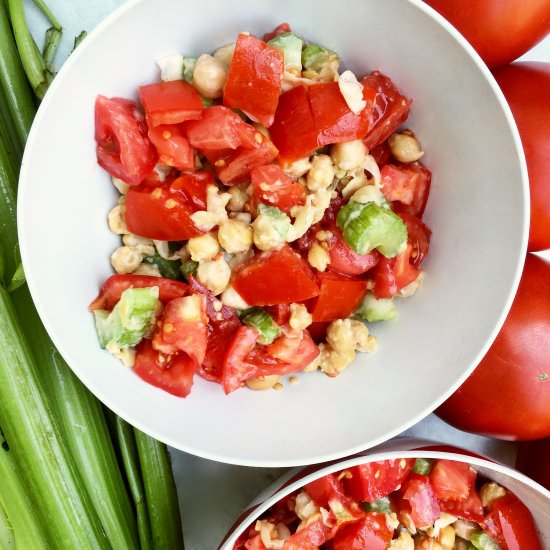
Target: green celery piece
482	541
160	493
369	226
130	319
279	220
258	318
422	466
291	46
16	506
37	444
314	57
373	310
130	460
169	269
188	68
16	103
382	506
7	538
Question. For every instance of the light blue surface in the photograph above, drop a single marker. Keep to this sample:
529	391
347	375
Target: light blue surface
213	495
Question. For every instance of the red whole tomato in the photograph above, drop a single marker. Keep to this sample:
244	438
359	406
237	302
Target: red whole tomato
500	30
534	459
527	89
508	395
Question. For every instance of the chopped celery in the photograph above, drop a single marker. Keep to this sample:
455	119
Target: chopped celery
422	466
373	310
130	319
258	318
170	269
291	46
482	541
188	68
382	506
369	226
315	57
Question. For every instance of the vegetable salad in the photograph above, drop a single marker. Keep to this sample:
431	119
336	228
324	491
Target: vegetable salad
405	504
269	207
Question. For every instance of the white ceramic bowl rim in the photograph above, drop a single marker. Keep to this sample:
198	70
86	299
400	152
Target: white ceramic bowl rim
33	276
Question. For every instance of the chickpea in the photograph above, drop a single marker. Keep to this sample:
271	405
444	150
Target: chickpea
405	147
349	155
321	173
209	76
205	247
300	318
117	221
318	257
235	236
225	54
214	275
263	382
125	259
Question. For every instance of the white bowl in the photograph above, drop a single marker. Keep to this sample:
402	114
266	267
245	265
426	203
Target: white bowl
533	495
478	211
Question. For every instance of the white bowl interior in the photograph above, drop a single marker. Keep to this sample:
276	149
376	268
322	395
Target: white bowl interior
478	211
533	495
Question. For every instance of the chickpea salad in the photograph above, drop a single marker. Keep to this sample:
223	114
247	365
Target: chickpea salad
270	208
407	504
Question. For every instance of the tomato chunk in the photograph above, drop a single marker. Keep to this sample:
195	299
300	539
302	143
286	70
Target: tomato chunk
122	145
254	80
452	480
235	369
511	524
279	29
172	374
392	274
295	353
115	285
407	187
470	509
259	279
419	500
375	480
183	328
172	146
418	236
338	298
324	489
370	532
163	212
271	186
391	109
170	102
345	260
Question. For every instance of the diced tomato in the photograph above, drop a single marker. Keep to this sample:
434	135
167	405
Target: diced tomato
163	212
235	369
375	480
418	236
258	280
418	498
452	480
511	524
170	102
280	313
334	120
123	148
370	532
318	331
115	285
172	146
237	168
272	187
391	109
407	187
183	328
220	128
173	374
392	274
308	118
279	29
470	510
381	153
346	261
312	536
222	325
254	79
294	131
255	543
296	352
338	298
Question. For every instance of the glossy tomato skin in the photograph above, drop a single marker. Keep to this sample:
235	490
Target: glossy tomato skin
122	145
511	524
172	374
172	146
115	285
313	536
508	395
533	460
500	30
345	260
254	79
452	480
392	274
527	89
418	499
370	532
